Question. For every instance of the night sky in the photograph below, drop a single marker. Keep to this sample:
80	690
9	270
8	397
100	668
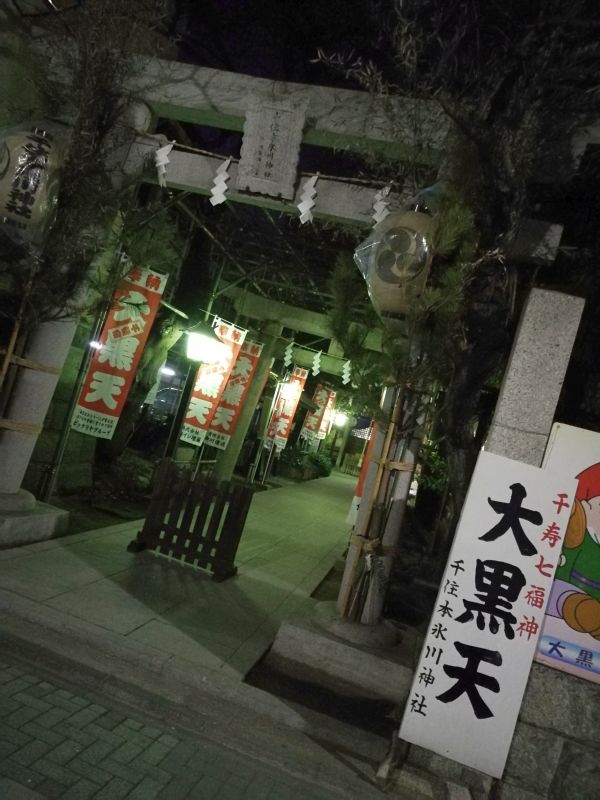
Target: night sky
275	39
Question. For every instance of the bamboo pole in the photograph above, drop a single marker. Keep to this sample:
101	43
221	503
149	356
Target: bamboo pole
369	528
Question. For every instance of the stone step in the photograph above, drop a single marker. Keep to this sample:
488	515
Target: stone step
421	785
309	649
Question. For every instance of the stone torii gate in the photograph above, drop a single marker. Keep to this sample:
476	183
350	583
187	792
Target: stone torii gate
402	128
336	118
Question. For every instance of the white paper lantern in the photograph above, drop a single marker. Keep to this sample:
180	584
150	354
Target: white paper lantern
395	260
30	158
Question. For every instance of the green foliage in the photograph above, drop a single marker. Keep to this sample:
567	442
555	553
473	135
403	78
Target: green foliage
320	462
434	468
298	459
351	314
417	351
514	79
351	318
292	457
150	239
96	50
25	90
443	299
453	233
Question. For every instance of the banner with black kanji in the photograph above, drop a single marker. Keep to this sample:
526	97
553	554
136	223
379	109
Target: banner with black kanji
469	684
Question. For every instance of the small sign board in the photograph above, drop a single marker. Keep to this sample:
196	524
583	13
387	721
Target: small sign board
477	655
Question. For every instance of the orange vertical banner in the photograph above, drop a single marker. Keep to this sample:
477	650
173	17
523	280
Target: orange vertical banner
112	369
210	384
285	408
227	414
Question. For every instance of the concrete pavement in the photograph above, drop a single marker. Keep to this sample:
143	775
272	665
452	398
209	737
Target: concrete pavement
292	538
144	644
166	641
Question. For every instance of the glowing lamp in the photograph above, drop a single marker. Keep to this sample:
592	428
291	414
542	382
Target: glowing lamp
289	391
205	346
340	419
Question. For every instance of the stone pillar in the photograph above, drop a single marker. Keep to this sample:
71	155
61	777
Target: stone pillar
31	398
227	459
344	445
29	403
554	752
534	376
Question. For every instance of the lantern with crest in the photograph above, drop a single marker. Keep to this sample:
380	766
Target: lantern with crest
395	261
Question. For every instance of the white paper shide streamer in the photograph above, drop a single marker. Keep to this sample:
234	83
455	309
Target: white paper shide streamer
161	159
316	365
219	187
346	372
381	207
288	354
307	199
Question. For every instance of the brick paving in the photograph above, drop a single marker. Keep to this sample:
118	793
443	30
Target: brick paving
71	745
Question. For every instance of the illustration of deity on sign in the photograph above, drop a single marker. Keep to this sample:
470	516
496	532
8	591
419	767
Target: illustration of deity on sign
570	639
575	596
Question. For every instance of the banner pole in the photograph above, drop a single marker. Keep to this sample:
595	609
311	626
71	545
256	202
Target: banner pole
184	400
254	467
268	465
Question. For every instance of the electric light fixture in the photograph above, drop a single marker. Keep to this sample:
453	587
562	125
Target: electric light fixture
204	345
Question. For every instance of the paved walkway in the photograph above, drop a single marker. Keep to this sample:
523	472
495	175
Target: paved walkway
292	538
89	632
121	674
60	743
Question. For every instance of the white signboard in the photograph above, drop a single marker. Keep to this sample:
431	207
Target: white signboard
469	684
270	149
570	636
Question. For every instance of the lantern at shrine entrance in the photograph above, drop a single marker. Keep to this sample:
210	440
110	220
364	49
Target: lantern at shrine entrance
395	261
30	158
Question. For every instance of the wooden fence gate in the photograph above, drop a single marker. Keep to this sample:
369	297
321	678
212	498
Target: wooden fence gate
197	521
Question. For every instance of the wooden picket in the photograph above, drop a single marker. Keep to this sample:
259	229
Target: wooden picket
198	521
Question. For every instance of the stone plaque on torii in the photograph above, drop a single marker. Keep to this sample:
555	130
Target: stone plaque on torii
271	148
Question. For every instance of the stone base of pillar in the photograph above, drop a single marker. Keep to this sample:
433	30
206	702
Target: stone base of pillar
304	649
23	520
383	635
